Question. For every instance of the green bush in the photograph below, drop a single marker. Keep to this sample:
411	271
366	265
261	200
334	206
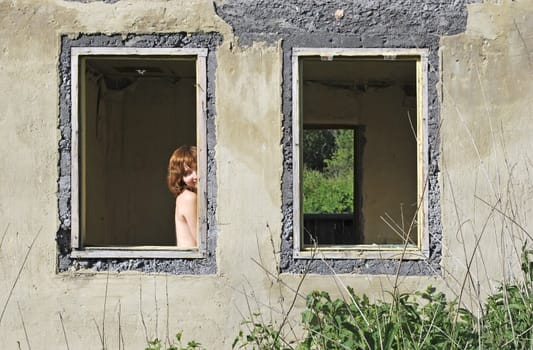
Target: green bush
327	195
403	323
508	317
328	188
508	320
422	320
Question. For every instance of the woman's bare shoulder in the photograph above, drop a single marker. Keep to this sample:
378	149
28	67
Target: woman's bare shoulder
186	196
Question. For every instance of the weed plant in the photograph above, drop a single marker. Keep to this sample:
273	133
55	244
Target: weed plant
157	344
423	320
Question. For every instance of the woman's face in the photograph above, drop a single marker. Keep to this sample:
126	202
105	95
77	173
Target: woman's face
190	178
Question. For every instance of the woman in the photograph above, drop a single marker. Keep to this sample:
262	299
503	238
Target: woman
182	182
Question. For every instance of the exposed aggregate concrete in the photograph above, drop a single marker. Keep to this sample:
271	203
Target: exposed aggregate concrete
297	23
176	266
353	24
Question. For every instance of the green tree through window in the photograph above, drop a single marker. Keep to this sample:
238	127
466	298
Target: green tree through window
328	171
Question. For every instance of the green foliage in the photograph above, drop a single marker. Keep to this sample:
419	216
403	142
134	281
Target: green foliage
259	336
330	190
156	344
342	160
318	144
423	320
400	324
508	318
327	195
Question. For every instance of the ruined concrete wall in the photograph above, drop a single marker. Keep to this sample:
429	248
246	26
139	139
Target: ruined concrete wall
33	292
487	145
363	24
251	122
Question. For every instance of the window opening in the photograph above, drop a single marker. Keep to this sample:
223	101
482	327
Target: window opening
329	185
359	152
131	108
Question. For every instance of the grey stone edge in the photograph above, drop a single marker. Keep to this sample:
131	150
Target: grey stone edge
365	24
65	262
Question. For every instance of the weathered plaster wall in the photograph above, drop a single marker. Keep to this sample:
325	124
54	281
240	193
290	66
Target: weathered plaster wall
494	53
487	144
30	38
408	24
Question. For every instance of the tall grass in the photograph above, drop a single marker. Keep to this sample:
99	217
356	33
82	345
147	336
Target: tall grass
425	319
482	313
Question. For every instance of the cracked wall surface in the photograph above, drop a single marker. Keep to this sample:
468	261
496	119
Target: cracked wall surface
365	24
480	163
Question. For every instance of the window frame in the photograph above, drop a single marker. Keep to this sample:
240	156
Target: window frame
78	250
363	251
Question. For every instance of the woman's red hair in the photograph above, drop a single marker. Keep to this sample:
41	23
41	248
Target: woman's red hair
181	163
